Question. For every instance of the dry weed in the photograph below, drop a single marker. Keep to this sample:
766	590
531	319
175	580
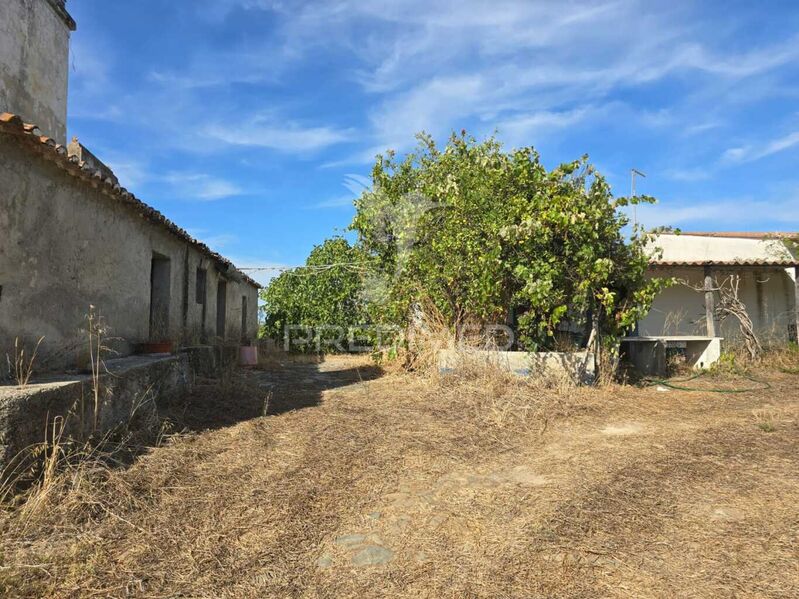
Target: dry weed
21	367
480	484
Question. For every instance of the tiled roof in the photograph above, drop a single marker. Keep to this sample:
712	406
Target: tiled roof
741	234
781	263
50	150
59	6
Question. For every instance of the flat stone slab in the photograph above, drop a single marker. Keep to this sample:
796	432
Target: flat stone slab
372	555
350	540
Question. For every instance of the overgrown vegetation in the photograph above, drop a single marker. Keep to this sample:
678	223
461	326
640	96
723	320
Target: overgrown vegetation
327	291
482	233
479	485
484	236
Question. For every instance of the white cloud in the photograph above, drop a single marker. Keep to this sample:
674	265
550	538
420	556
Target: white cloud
215	241
700	128
721	213
689	174
291	137
524	129
200	186
134	174
220	241
751	153
130	172
355	184
528	68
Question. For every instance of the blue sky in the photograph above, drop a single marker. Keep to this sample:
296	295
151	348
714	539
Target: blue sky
254	123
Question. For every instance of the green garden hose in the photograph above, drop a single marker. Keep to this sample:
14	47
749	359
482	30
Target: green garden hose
671	384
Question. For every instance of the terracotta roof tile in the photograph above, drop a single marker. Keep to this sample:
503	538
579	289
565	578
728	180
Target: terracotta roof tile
11	119
12	124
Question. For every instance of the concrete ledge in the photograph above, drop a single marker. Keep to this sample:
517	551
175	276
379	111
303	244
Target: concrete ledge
577	367
211	361
649	354
129	388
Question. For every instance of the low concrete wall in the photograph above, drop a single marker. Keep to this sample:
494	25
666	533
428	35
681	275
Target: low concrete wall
128	391
211	361
578	367
650	355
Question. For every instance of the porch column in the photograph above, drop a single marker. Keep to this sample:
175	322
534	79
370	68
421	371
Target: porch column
710	303
796	300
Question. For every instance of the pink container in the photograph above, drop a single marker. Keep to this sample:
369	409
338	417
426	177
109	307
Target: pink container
248	355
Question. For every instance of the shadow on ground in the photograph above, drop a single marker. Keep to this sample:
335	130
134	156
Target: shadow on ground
302	386
268	390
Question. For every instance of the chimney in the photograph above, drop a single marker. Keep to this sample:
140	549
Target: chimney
34	63
85	157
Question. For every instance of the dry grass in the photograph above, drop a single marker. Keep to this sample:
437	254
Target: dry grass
21	366
478	485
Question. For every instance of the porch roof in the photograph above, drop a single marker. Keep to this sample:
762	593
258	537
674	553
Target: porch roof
776	263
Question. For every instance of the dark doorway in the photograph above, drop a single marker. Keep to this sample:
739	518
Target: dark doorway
160	282
244	339
200	293
221	308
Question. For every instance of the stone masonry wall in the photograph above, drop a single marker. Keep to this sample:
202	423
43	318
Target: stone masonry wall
34	59
65	246
129	392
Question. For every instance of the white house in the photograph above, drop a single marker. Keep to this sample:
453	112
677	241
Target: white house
765	262
683	315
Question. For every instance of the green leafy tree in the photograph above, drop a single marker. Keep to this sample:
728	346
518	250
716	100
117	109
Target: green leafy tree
323	293
481	233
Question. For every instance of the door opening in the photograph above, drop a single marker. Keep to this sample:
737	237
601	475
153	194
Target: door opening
221	308
244	339
160	281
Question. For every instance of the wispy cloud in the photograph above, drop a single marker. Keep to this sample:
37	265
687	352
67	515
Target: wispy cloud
720	213
750	153
522	129
297	86
292	137
200	186
355	184
220	241
216	241
689	174
186	185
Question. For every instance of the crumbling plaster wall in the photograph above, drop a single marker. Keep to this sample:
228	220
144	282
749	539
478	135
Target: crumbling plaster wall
65	246
199	330
129	393
34	58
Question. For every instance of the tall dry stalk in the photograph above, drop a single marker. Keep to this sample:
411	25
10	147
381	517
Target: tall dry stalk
96	329
22	366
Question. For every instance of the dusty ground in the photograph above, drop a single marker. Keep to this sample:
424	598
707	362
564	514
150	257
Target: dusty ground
361	485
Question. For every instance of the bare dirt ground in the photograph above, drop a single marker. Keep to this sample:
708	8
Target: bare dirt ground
359	484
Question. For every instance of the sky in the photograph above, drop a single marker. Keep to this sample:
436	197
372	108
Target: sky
254	124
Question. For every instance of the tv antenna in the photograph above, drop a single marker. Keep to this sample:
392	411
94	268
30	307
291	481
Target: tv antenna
633	173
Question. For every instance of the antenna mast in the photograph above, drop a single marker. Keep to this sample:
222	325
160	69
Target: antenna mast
633	173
